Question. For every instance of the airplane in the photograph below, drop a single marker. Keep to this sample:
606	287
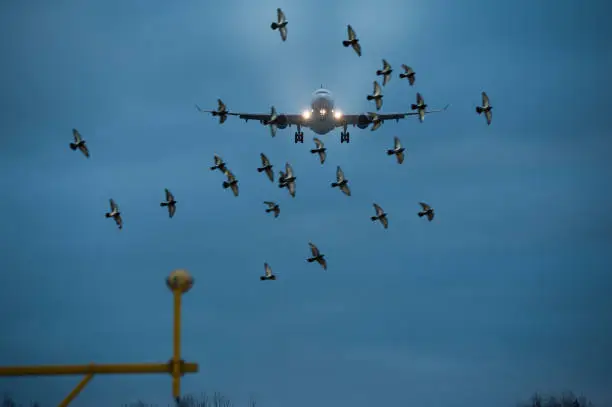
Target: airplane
321	118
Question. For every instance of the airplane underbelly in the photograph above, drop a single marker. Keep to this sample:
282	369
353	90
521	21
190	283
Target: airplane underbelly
322	126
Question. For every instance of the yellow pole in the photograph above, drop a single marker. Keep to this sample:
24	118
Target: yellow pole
76	390
176	356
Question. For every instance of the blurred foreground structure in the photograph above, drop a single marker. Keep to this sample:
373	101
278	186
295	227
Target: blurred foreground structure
179	282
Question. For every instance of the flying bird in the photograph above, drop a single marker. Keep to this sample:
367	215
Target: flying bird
376	121
376	96
341	182
427	211
319	150
268	271
353	41
79	143
380	216
170	202
219	165
420	106
272	121
408	73
486	108
317	256
115	214
231	182
280	24
398	150
266	166
385	72
287	180
221	111
272	207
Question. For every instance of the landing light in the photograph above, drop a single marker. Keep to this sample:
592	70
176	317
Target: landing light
306	114
337	115
323	111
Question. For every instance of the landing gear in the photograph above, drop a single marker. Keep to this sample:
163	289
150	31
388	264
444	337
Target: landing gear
345	137
299	136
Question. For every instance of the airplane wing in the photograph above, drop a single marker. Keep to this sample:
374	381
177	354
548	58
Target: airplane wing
354	119
293	119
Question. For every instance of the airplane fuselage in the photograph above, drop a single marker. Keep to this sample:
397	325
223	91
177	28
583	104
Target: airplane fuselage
322	117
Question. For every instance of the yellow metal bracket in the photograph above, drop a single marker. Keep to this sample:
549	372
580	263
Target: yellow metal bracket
179	282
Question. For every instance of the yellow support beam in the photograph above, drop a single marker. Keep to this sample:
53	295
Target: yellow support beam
179	282
76	390
176	354
67	370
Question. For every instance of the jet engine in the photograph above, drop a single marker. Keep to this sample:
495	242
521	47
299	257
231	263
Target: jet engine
363	121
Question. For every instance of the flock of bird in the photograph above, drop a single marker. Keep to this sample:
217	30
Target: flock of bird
287	178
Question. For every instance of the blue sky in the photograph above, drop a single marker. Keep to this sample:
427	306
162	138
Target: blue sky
505	293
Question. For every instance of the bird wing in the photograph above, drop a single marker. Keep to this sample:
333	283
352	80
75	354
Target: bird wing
171	210
339	174
235	189
84	149
76	135
357	48
322	262
318	142
400	157
118	221
288	170
489	116
376	125
322	156
314	249
291	187
386	64
280	16
267	268
485	100
218	160
113	205
386	79
396	142
384	221
283	33
351	33
424	206
270	174
264	160
273	115
378	209
430	215
377	90
379	103
346	190
221	106
407	69
169	196
270	204
420	100
230	176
